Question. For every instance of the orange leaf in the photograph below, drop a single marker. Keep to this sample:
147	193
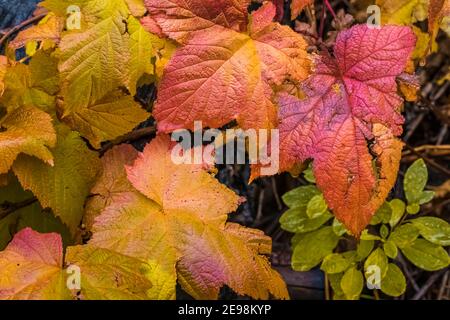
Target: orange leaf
221	74
177	222
297	7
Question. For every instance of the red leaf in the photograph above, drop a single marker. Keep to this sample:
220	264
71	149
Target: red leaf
345	97
224	72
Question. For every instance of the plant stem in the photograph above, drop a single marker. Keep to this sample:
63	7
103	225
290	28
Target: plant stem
20	26
330	8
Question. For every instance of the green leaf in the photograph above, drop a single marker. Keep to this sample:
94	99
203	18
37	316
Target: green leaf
384	231
295	220
309	175
433	229
335	282
364	248
413	208
338	227
415	180
316	206
426	255
312	247
300	197
426	196
394	283
398	210
404	235
365	235
352	283
383	214
390	249
376	259
336	263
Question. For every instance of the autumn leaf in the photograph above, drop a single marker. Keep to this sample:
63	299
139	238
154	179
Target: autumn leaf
183	232
224	72
297	7
141	53
33	268
137	7
181	20
32	215
438	17
346	97
107	119
33	85
108	275
111	183
49	28
26	130
403	12
3	67
64	186
111	51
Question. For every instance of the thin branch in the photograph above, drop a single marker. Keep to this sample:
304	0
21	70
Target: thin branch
408	273
20	26
7	208
330	8
275	192
431	280
431	162
327	288
132	136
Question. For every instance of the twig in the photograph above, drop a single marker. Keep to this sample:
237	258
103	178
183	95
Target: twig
275	193
132	136
322	22
431	280
414	126
443	286
330	8
327	288
408	273
376	294
20	26
442	134
8	208
429	161
260	205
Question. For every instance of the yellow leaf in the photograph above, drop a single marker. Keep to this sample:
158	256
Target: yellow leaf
26	130
33	269
111	183
137	7
32	85
141	53
184	230
402	12
107	119
64	186
49	28
108	275
92	63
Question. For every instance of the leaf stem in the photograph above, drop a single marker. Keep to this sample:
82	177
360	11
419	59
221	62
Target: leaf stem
132	136
8	208
322	22
330	8
20	26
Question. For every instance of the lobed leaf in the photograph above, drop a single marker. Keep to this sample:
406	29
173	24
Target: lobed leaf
350	99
